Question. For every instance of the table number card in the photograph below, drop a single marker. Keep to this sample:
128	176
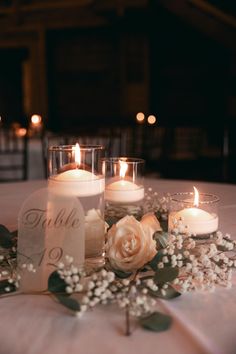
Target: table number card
50	226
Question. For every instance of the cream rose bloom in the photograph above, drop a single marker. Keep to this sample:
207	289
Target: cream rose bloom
130	243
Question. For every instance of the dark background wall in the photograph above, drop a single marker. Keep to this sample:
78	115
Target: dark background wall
92	68
11	95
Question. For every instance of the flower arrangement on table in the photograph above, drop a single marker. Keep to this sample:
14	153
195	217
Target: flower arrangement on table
144	263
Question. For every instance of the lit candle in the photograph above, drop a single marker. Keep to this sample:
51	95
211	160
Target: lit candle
197	220
74	185
77	181
123	190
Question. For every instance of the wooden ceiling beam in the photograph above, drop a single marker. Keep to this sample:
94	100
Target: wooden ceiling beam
116	4
54	20
44	6
213	11
66	14
54	5
205	22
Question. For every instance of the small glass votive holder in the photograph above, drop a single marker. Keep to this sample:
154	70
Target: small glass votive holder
76	171
124	191
199	218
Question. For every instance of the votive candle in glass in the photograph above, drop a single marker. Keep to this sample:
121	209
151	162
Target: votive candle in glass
197	212
124	189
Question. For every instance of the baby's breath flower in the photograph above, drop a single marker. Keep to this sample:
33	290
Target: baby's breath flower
125	282
78	287
60	265
69	289
91	285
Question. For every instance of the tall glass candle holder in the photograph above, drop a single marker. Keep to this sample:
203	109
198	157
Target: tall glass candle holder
76	171
124	190
198	212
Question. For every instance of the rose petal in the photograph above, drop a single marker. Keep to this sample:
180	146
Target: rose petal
151	220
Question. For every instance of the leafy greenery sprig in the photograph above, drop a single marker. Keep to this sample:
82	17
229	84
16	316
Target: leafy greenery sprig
9	279
182	263
135	294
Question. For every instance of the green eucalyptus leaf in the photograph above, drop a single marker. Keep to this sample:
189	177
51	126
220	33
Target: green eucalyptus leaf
163	220
170	293
111	220
222	248
157	322
68	302
161	238
145	269
14	233
56	284
5	237
164	225
121	274
165	275
5	284
156	259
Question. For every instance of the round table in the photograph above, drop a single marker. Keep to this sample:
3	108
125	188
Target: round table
203	322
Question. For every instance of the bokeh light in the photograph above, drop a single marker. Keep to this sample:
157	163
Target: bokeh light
20	132
140	117
151	119
36	119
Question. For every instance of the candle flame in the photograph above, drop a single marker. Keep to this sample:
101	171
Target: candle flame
196	197
123	168
77	154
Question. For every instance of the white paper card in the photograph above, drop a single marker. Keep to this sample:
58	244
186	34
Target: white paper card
50	226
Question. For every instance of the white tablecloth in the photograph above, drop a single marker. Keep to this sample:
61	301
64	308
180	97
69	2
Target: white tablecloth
203	323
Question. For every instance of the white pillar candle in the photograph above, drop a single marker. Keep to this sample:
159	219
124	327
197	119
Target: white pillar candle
77	182
123	190
198	221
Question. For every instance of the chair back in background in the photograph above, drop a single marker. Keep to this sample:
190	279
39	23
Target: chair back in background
13	156
112	143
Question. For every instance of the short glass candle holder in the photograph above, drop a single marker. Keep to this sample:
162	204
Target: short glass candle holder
198	216
76	171
124	191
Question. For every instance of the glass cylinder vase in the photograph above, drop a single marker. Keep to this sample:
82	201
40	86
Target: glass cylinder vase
198	216
124	191
75	171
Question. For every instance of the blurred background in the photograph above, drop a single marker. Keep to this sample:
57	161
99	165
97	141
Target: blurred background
153	79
